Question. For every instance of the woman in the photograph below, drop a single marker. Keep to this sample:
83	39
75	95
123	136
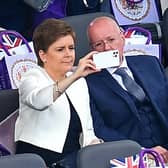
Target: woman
54	103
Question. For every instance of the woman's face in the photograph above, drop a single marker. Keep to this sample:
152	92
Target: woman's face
60	56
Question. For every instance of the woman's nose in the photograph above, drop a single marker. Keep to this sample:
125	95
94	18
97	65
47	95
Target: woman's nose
68	52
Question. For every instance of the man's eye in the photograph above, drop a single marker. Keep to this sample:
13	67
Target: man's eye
98	44
110	40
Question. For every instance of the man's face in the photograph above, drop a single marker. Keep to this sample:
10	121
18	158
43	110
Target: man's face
105	35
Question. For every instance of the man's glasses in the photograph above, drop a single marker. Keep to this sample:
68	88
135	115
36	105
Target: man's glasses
99	45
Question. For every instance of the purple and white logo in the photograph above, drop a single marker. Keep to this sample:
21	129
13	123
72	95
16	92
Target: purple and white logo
133	10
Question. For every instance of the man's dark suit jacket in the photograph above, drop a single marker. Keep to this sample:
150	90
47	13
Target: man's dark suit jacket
114	113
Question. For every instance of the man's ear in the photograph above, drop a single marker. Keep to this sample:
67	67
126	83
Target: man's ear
122	33
122	37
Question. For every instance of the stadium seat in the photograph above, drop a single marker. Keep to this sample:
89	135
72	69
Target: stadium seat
9	102
28	160
99	155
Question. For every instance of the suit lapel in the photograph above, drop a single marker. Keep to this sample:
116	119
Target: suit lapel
111	83
140	75
143	76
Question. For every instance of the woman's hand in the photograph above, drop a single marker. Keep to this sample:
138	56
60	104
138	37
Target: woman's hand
86	65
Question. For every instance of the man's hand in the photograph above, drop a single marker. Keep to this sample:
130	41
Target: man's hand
96	141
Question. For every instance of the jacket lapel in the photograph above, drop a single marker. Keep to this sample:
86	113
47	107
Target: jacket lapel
74	93
140	75
111	83
150	85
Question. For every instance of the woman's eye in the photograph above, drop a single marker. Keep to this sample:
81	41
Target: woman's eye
60	49
72	48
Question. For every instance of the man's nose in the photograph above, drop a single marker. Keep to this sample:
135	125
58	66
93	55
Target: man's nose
107	46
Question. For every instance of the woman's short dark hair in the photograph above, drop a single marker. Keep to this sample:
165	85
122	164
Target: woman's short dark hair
48	32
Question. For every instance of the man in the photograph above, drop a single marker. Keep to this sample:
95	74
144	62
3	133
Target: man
117	113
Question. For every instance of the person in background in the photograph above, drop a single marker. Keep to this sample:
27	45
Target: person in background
54	102
118	112
56	9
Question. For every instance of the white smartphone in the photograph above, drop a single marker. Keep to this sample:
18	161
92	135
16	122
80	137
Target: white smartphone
106	59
